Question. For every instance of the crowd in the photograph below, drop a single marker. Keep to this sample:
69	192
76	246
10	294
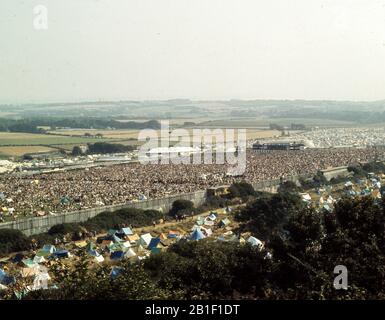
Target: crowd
40	194
337	137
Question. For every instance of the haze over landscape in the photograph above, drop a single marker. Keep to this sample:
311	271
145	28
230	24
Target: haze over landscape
218	49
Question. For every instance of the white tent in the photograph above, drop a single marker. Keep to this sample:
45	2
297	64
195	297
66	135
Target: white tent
38	259
145	239
99	258
255	242
306	197
130	253
126	244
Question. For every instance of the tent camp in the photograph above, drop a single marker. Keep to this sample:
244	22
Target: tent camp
197	235
145	239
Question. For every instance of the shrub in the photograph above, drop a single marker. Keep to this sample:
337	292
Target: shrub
12	241
181	205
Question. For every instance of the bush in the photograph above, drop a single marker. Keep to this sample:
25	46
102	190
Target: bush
64	228
241	190
13	241
111	220
181	205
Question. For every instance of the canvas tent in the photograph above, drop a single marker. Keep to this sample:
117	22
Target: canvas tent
126	231
130	253
224	222
255	242
145	239
133	239
197	234
117	255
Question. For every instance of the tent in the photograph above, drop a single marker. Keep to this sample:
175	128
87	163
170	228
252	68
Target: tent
117	255
224	222
126	231
40	281
172	234
18	258
5	279
212	216
29	272
255	242
99	258
327	207
126	244
116	271
38	259
80	244
111	232
29	263
130	253
209	222
155	250
200	221
197	235
163	236
153	243
145	239
62	254
49	248
133	239
116	239
306	197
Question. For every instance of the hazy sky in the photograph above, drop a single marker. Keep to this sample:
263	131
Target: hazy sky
198	49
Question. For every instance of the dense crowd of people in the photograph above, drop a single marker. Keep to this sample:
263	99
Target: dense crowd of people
41	194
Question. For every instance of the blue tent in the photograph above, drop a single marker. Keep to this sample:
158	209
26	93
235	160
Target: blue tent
61	254
197	235
6	279
116	271
117	255
153	243
155	250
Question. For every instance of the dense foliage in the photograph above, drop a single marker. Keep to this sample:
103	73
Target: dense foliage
12	241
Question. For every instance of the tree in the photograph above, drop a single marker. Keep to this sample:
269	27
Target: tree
77	151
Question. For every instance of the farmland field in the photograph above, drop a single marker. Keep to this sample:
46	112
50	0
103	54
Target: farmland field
21	150
21	139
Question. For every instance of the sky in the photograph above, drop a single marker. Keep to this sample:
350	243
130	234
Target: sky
196	49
